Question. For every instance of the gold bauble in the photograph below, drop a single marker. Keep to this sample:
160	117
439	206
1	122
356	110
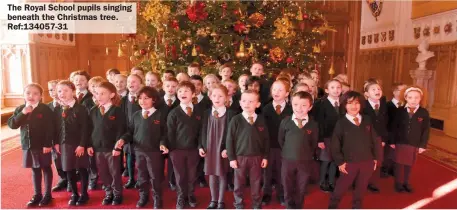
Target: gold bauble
188	41
120	52
132	58
257	19
265	47
137	53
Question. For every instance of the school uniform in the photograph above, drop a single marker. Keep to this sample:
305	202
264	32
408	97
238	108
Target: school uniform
93	171
107	129
237	95
72	124
354	143
56	157
320	92
204	103
328	115
315	164
379	117
146	133
274	113
248	143
169	103
233	104
183	138
411	131
124	93
389	153
298	141
129	105
82	96
37	132
212	140
265	86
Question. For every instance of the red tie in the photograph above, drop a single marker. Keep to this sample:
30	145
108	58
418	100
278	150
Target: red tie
132	99
102	110
189	111
300	122
411	110
278	109
80	97
356	121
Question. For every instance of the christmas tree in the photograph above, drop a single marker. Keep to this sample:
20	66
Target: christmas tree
280	34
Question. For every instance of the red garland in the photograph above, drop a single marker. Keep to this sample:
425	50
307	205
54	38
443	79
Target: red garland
196	12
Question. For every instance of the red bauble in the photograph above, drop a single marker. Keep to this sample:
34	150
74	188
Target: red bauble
290	60
143	51
184	52
175	24
305	16
239	27
198	48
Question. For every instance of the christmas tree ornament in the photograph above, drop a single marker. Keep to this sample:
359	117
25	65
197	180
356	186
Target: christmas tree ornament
107	51
194	51
135	47
143	52
156	13
257	19
277	54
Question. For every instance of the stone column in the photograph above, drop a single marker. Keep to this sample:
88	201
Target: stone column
426	80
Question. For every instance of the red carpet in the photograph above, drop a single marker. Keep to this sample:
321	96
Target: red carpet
427	177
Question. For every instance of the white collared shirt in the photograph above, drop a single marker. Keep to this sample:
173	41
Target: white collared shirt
333	101
71	103
407	108
173	98
246	115
84	92
200	97
151	111
107	106
94	100
130	97
230	101
221	110
351	118
373	104
124	93
305	120
282	104
33	105
395	102
184	106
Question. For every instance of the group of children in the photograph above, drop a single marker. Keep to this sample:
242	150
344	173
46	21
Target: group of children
257	131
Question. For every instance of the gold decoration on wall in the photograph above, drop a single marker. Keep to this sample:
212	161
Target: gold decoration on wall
316	48
331	71
120	52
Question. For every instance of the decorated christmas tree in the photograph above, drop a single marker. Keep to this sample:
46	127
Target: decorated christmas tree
280	34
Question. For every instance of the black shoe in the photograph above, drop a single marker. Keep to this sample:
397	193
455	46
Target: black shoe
408	188
130	184
323	187
82	199
281	201
192	201
399	188
266	199
61	185
221	205
180	204
125	173
73	199
107	200
46	200
373	188
93	186
230	187
238	206
142	201
212	205
117	200
172	186
331	187
157	203
203	183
